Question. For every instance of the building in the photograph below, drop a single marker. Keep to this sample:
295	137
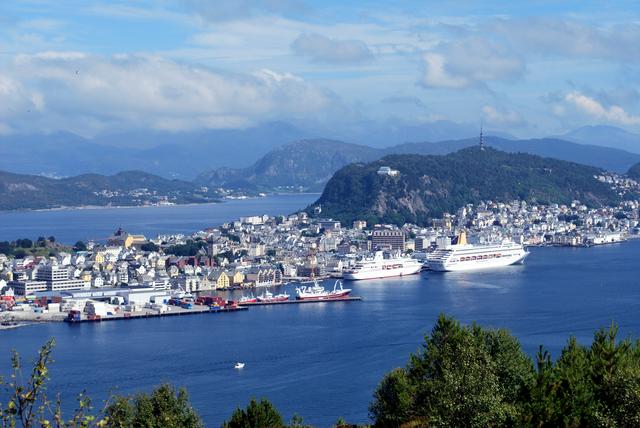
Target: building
220	279
359	224
385	170
24	288
58	279
388	239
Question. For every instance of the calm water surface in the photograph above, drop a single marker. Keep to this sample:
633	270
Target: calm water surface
69	226
324	360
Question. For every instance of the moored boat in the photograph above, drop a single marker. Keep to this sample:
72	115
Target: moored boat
248	299
268	297
464	256
381	267
318	292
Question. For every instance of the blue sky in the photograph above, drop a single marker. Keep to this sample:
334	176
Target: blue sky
526	68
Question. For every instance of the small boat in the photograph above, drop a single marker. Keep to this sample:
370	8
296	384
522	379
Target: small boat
317	292
239	366
268	297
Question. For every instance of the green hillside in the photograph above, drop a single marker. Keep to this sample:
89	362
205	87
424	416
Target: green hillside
429	186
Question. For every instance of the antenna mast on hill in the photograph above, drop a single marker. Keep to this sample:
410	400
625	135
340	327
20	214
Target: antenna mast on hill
481	139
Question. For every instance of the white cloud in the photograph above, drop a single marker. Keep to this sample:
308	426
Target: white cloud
82	93
332	51
596	110
467	62
223	10
501	117
570	37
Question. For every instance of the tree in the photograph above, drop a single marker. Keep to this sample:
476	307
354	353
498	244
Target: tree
165	407
149	246
6	248
51	239
24	243
80	246
463	376
257	415
393	400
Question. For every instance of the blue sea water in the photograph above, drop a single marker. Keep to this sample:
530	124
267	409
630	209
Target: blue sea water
69	226
324	360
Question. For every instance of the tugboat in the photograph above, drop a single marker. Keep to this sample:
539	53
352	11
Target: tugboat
317	292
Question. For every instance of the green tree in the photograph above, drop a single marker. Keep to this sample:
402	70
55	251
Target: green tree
462	376
257	415
80	246
393	400
165	407
149	246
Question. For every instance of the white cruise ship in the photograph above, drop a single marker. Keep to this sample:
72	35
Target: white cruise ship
464	256
379	267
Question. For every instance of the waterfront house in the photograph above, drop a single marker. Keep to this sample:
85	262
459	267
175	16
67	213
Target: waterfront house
220	279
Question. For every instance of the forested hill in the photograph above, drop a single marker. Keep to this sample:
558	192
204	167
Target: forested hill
428	186
634	171
130	188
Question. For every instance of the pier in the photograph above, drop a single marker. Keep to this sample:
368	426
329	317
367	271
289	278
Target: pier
291	302
174	311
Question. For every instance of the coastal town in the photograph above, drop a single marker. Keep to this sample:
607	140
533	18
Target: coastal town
134	274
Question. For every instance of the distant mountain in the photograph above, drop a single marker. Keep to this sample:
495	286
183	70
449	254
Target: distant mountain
301	165
605	136
186	154
601	157
129	188
428	186
307	165
173	155
634	172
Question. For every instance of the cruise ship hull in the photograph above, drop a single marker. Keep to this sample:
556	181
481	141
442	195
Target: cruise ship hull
382	273
445	266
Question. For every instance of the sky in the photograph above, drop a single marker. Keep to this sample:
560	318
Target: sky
526	68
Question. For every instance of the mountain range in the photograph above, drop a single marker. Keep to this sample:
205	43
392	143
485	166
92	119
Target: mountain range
308	164
425	187
186	154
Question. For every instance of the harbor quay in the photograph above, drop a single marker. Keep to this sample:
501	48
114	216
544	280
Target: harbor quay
131	274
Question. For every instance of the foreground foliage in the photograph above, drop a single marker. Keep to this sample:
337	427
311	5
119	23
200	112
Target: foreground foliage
474	377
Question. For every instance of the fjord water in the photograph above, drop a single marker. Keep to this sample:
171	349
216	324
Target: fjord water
324	360
71	225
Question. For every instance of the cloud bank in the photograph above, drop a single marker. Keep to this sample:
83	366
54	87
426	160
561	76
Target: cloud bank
85	93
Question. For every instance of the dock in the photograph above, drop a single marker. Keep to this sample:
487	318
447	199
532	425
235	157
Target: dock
175	311
292	302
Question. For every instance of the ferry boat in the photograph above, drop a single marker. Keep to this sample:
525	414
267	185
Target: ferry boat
318	292
268	296
379	267
465	256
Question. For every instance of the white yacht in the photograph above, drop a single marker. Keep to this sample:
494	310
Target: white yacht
465	256
379	267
